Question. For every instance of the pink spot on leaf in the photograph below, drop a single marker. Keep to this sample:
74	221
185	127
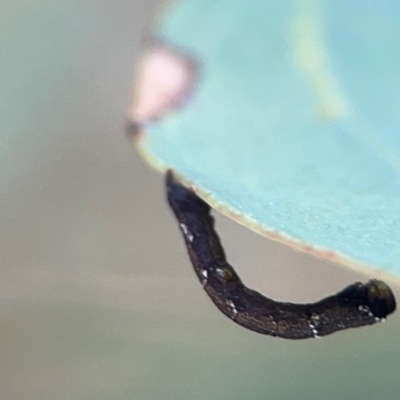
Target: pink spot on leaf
165	80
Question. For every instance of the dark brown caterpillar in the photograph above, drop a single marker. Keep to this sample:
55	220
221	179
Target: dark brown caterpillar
357	305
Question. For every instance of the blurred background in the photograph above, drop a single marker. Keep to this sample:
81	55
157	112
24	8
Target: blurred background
98	299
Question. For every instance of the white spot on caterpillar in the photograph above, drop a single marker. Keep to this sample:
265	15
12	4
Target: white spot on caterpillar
186	232
315	317
232	306
204	272
314	330
363	308
367	310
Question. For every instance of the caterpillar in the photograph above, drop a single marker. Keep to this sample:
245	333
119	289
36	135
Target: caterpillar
355	306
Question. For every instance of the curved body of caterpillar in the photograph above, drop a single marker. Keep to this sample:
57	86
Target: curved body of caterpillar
355	306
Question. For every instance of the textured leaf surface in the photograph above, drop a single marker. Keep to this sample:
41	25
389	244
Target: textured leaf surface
293	129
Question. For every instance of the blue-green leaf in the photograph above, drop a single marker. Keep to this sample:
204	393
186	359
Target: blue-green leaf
294	125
